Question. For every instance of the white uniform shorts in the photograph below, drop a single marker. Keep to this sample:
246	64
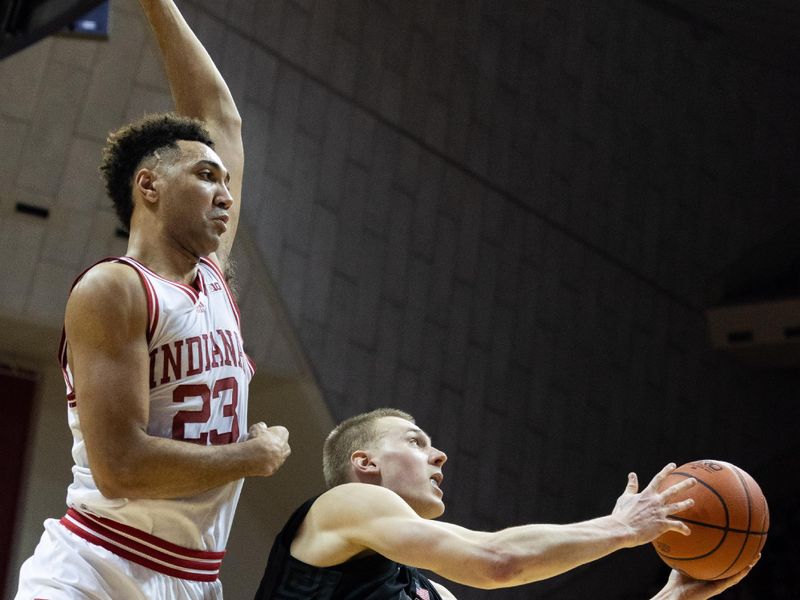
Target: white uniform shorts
67	567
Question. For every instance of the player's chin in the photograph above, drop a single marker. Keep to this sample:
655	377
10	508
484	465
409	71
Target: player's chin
210	245
435	508
427	506
438	512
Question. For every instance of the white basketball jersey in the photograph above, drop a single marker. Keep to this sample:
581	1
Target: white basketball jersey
199	376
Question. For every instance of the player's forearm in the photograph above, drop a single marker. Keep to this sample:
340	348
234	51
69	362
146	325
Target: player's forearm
198	88
162	468
535	552
665	594
671	591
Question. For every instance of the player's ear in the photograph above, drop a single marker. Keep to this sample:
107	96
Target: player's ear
363	464
144	185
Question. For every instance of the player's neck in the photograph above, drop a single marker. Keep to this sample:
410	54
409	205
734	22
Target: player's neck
167	260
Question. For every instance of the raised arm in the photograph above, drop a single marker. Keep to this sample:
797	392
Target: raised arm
349	519
199	91
105	326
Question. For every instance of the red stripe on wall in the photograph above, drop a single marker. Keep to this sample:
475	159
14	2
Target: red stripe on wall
17	398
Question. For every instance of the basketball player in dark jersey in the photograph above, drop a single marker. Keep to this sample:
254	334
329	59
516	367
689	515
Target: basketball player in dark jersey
367	536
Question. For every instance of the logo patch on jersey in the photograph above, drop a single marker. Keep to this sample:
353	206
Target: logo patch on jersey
200	307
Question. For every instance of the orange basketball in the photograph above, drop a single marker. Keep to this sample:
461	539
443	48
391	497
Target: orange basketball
729	521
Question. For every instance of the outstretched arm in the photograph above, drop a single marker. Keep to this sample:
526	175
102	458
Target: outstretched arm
352	518
199	91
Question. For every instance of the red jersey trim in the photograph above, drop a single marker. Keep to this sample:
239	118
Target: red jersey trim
232	301
153	310
62	361
143	548
153	313
221	277
186	289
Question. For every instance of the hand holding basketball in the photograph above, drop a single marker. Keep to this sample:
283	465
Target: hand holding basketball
682	587
728	521
647	513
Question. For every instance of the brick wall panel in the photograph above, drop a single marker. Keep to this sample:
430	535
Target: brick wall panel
320	264
349	243
384	150
414	326
387	351
399	236
334	366
362	132
484	297
370	263
428	199
305	167
416	82
334	154
457	348
443	269
295	26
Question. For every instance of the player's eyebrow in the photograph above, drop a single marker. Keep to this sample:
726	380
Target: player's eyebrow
419	431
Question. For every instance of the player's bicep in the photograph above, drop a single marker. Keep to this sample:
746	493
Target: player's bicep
466	559
411	540
378	519
105	325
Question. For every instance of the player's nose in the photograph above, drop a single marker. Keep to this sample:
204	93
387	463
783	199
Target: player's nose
223	199
438	457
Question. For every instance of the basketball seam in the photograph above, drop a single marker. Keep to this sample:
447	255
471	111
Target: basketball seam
725	529
744	485
721	527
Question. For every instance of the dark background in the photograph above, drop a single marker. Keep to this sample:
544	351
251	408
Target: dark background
533	206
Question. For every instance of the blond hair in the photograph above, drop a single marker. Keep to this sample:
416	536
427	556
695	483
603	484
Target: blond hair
355	433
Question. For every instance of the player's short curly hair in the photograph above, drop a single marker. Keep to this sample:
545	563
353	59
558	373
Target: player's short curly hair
128	146
355	433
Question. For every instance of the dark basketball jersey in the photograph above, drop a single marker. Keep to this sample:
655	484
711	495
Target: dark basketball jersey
370	578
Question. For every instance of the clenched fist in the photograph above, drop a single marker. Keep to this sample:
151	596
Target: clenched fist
271	447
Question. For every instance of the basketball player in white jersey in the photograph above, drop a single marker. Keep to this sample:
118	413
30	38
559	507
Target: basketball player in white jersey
152	356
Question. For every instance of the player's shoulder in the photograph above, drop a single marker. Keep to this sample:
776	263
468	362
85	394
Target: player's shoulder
355	491
352	502
107	289
108	273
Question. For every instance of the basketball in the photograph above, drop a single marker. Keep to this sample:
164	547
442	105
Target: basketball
729	521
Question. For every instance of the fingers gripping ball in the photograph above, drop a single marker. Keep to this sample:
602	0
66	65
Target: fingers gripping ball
729	521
